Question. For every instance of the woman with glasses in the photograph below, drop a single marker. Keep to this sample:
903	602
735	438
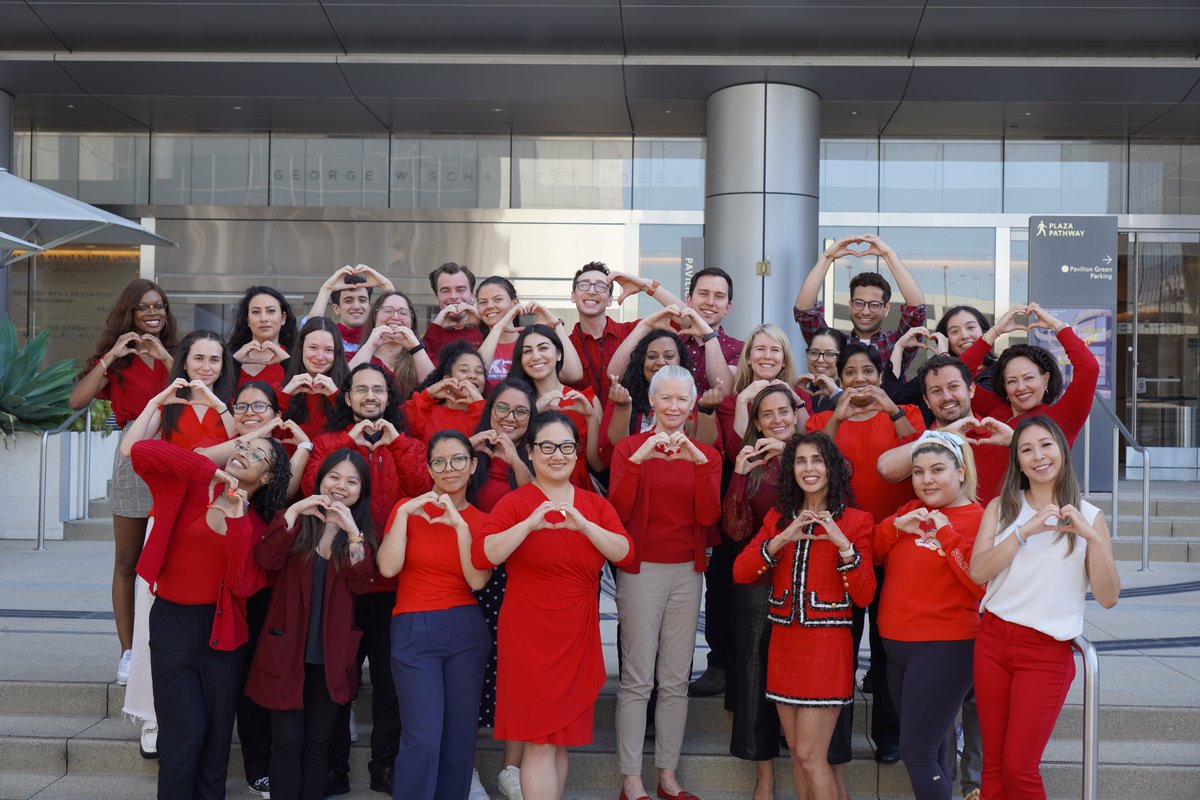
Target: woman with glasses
554	538
393	342
198	560
305	665
440	641
263	323
129	367
666	487
821	380
310	387
450	397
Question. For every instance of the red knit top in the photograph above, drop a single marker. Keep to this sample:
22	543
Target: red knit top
432	577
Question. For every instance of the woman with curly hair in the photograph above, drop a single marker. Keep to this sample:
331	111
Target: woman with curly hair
628	409
305	666
310	386
1026	380
819	549
393	342
450	397
262	323
198	561
129	367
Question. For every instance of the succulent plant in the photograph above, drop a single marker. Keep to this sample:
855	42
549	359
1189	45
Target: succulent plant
31	399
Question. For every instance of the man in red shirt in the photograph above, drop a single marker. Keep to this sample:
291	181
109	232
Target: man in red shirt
457	318
597	336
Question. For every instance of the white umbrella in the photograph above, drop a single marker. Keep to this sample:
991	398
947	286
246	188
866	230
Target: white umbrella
10	243
33	212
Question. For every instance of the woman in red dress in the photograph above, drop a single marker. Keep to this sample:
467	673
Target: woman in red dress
310	387
554	538
128	369
263	327
393	343
538	361
819	548
450	397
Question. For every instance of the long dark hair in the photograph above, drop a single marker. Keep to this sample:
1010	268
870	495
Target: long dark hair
267	389
120	321
518	370
341	417
838	469
505	284
272	496
311	528
240	334
297	409
223	387
483	470
1066	487
984	326
1041	358
447	357
752	435
635	381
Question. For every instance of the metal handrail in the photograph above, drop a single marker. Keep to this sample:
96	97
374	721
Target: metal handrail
1091	716
1119	430
87	470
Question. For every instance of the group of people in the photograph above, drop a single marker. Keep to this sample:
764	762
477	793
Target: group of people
306	496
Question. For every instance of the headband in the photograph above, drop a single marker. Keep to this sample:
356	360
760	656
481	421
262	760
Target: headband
942	439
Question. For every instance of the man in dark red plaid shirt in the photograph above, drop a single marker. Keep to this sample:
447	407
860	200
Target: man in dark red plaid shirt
870	298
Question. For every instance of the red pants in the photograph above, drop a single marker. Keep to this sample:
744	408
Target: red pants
1021	680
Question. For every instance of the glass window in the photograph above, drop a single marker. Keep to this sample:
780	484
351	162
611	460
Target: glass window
1164	178
668	174
850	175
663	252
450	173
572	173
315	171
209	170
1064	177
95	168
22	155
940	176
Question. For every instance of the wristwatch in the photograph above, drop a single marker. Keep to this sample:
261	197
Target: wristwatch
708	337
896	417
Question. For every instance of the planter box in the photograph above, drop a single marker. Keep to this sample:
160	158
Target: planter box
65	494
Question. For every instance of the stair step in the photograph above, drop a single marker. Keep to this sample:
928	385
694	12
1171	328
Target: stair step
98	509
88	530
1129	548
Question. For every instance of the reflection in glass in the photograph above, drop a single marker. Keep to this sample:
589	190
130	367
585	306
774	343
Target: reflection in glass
1164	178
96	168
572	173
849	175
1064	177
668	174
209	170
940	176
450	172
334	171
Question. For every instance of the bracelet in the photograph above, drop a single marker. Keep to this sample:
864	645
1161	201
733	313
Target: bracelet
896	417
847	553
561	321
1017	536
355	539
706	338
412	351
105	372
305	446
653	288
706	409
226	410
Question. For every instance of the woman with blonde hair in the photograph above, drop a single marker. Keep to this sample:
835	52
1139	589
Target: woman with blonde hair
766	359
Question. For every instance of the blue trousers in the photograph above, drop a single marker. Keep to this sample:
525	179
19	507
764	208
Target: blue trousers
438	659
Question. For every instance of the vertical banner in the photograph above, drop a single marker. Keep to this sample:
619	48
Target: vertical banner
691	261
1073	275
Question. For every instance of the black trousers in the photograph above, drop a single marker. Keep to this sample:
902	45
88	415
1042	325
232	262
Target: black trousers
300	741
755	733
254	721
718	613
373	615
196	691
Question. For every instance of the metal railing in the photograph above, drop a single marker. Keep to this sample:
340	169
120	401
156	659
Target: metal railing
1120	430
1091	717
87	471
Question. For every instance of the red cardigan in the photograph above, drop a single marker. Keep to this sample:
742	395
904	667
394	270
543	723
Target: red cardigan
426	416
277	674
178	481
689	494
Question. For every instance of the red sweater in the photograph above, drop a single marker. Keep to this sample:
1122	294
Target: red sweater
426	416
276	678
437	337
178	481
666	491
1070	411
929	596
432	576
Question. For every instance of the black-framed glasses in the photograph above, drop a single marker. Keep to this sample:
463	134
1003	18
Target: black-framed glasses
253	455
548	448
142	308
258	407
456	463
516	412
593	287
380	391
823	355
859	305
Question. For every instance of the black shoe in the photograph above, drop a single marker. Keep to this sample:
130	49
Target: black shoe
383	781
868	686
887	753
710	684
336	783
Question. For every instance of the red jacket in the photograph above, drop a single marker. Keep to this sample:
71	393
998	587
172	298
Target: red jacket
397	470
277	674
178	481
811	587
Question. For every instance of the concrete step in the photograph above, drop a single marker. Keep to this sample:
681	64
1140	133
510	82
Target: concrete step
1130	501
1160	527
91	530
1129	548
98	509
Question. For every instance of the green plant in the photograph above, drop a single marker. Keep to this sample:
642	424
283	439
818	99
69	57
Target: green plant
100	411
31	399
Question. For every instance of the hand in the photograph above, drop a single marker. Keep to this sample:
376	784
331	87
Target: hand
442	390
338	513
1041	318
578	403
398	334
323	384
464	391
913	521
687	448
231	502
663	317
543	314
457	315
618	395
168	396
879	400
752	389
1000	433
841	248
311	506
657	445
337	281
1008	322
819	385
845	407
875	246
202	395
358	433
126	345
151	346
1071	520
693	324
262	431
301	383
220	477
824	521
1046	519
373	276
290	432
450	516
630	285
548	515
938	521
713	396
415	506
504	449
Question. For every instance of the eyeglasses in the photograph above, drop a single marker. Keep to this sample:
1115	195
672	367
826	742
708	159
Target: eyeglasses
253	455
379	391
503	410
823	355
548	448
594	287
385	313
859	305
258	407
456	463
142	308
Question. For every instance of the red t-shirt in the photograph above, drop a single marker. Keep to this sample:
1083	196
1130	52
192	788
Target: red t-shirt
132	388
193	573
432	576
929	596
502	360
426	416
862	442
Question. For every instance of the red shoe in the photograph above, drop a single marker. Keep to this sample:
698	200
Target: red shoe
627	797
683	795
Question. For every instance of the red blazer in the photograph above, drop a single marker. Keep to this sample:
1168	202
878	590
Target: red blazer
811	587
276	678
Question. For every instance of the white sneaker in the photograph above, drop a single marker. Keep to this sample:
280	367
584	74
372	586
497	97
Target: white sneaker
353	727
149	740
477	790
123	668
509	781
260	787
